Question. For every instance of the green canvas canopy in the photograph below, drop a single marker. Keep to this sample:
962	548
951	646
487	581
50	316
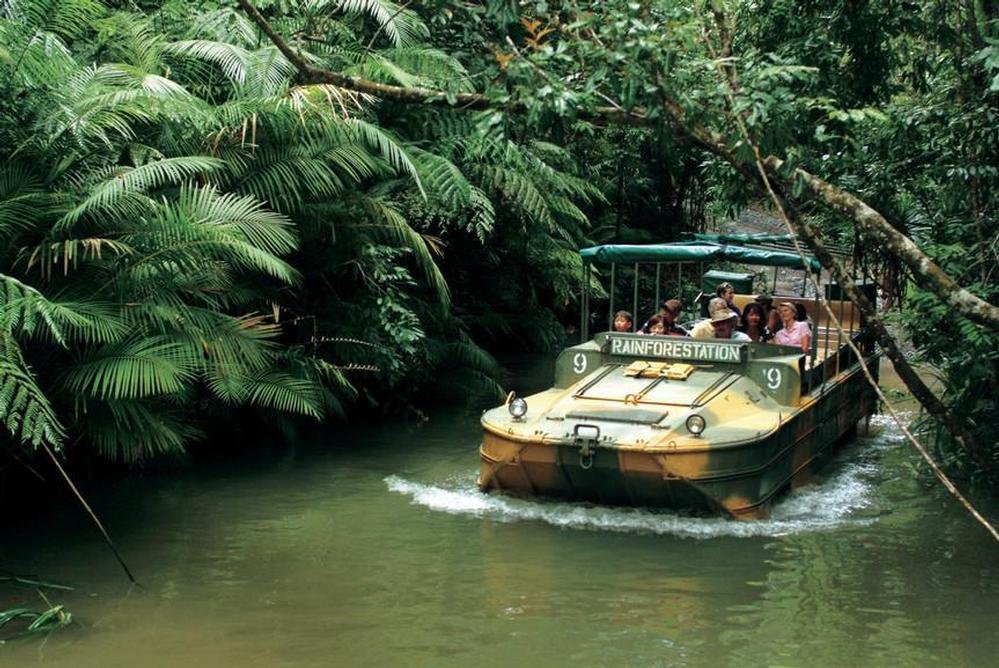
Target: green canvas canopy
757	238
697	251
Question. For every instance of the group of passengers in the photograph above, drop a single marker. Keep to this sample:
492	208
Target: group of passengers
786	324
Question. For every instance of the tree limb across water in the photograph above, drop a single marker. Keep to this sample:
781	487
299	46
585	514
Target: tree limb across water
926	273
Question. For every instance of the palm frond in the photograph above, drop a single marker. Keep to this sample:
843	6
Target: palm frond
122	195
234	61
387	146
270	73
326	98
132	369
518	190
130	430
23	201
244	218
283	392
285	176
268	389
412	67
96	105
483	215
133	41
227	25
402	26
66	18
202	227
25	411
25	312
69	252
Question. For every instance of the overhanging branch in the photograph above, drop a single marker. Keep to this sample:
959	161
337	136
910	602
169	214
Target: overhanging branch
926	273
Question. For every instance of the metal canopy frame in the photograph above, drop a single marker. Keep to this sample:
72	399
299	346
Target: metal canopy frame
585	303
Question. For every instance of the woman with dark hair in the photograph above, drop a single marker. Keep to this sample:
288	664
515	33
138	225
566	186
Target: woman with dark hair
754	323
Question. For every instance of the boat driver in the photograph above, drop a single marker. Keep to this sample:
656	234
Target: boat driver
703	328
723	321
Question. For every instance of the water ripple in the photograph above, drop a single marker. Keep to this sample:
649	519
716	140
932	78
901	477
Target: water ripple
832	504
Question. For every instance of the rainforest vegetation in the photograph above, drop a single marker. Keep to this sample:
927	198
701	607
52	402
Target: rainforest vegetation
205	226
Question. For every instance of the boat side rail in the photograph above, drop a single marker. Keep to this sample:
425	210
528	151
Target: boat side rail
838	359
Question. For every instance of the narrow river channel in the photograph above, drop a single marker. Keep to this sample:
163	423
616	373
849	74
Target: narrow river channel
371	547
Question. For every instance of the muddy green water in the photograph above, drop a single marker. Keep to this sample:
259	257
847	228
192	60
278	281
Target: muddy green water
371	547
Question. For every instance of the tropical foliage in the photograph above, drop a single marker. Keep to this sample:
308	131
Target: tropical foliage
187	231
194	225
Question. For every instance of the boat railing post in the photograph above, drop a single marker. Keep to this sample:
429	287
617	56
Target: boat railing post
815	334
610	311
634	298
589	299
582	303
825	344
659	268
853	313
839	333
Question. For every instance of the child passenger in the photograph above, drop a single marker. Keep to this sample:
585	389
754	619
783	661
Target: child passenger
623	322
655	325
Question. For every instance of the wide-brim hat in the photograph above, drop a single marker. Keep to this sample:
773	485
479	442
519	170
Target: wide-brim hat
722	314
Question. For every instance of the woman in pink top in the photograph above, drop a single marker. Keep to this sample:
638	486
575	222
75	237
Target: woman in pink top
794	332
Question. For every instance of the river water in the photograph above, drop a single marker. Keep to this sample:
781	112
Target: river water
371	547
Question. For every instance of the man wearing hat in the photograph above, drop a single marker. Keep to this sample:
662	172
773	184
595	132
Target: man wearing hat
704	329
723	322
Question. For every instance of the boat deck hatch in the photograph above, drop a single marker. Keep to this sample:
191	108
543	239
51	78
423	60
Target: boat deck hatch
623	385
633	415
644	369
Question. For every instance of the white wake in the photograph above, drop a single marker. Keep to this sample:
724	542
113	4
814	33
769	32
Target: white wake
846	497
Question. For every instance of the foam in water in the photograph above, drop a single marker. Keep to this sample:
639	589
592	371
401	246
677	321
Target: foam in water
821	507
846	498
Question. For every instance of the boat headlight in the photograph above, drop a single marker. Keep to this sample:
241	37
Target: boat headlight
517	408
696	424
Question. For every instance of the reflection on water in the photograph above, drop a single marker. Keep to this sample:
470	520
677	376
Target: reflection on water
373	549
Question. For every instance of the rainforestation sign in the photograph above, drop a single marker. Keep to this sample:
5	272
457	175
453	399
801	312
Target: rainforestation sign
669	347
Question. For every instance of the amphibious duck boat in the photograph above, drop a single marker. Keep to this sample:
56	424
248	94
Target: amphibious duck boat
708	425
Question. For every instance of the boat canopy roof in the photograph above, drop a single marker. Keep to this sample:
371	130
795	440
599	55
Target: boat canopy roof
736	238
694	251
